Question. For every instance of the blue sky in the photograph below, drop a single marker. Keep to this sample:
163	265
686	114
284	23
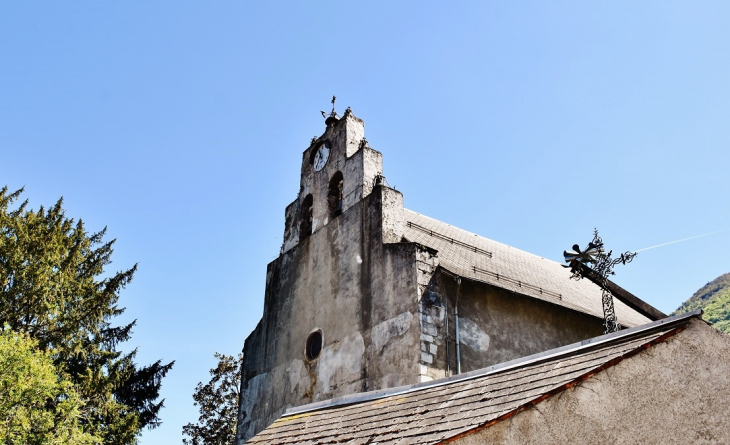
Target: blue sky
180	126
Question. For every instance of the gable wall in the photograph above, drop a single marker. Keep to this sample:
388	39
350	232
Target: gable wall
674	392
362	294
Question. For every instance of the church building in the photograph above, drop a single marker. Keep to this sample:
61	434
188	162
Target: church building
367	296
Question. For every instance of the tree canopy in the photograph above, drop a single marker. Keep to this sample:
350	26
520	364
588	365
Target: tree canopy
54	288
218	404
38	405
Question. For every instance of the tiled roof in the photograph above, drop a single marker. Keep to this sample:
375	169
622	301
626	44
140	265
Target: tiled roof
442	409
481	259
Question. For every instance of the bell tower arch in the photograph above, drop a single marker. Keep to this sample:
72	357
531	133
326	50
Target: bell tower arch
338	170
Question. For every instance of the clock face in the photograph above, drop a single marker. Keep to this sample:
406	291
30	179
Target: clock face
320	158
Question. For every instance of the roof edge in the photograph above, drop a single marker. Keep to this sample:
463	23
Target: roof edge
677	320
554	300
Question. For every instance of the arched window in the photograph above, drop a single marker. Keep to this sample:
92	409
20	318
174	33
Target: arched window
334	195
305	226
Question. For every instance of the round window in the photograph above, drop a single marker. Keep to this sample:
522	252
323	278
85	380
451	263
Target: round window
314	345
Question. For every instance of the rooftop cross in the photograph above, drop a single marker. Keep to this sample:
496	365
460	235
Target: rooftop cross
602	268
333	113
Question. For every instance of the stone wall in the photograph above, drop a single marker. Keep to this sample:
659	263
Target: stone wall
431	313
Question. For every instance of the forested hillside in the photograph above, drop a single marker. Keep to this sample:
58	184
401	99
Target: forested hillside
714	299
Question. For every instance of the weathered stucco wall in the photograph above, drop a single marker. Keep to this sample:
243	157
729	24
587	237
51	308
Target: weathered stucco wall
495	326
674	392
360	292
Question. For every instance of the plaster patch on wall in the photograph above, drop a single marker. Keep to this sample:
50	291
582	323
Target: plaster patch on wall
298	377
391	380
472	335
383	332
340	363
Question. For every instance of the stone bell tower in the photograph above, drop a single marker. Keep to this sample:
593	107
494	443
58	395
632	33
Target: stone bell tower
338	170
340	311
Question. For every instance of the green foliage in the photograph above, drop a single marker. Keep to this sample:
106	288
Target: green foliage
714	300
218	404
53	287
718	312
37	404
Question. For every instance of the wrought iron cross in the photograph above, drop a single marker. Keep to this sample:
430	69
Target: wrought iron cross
602	268
333	113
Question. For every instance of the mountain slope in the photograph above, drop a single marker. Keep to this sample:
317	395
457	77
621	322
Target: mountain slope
714	299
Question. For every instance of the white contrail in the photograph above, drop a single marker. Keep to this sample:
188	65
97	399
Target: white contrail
680	240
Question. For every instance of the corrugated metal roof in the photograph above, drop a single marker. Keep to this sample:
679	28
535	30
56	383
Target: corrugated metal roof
481	259
442	409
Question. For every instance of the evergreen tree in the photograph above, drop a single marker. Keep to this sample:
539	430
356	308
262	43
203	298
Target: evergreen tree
53	287
218	404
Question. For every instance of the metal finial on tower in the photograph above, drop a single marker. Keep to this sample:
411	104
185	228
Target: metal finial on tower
602	267
332	117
